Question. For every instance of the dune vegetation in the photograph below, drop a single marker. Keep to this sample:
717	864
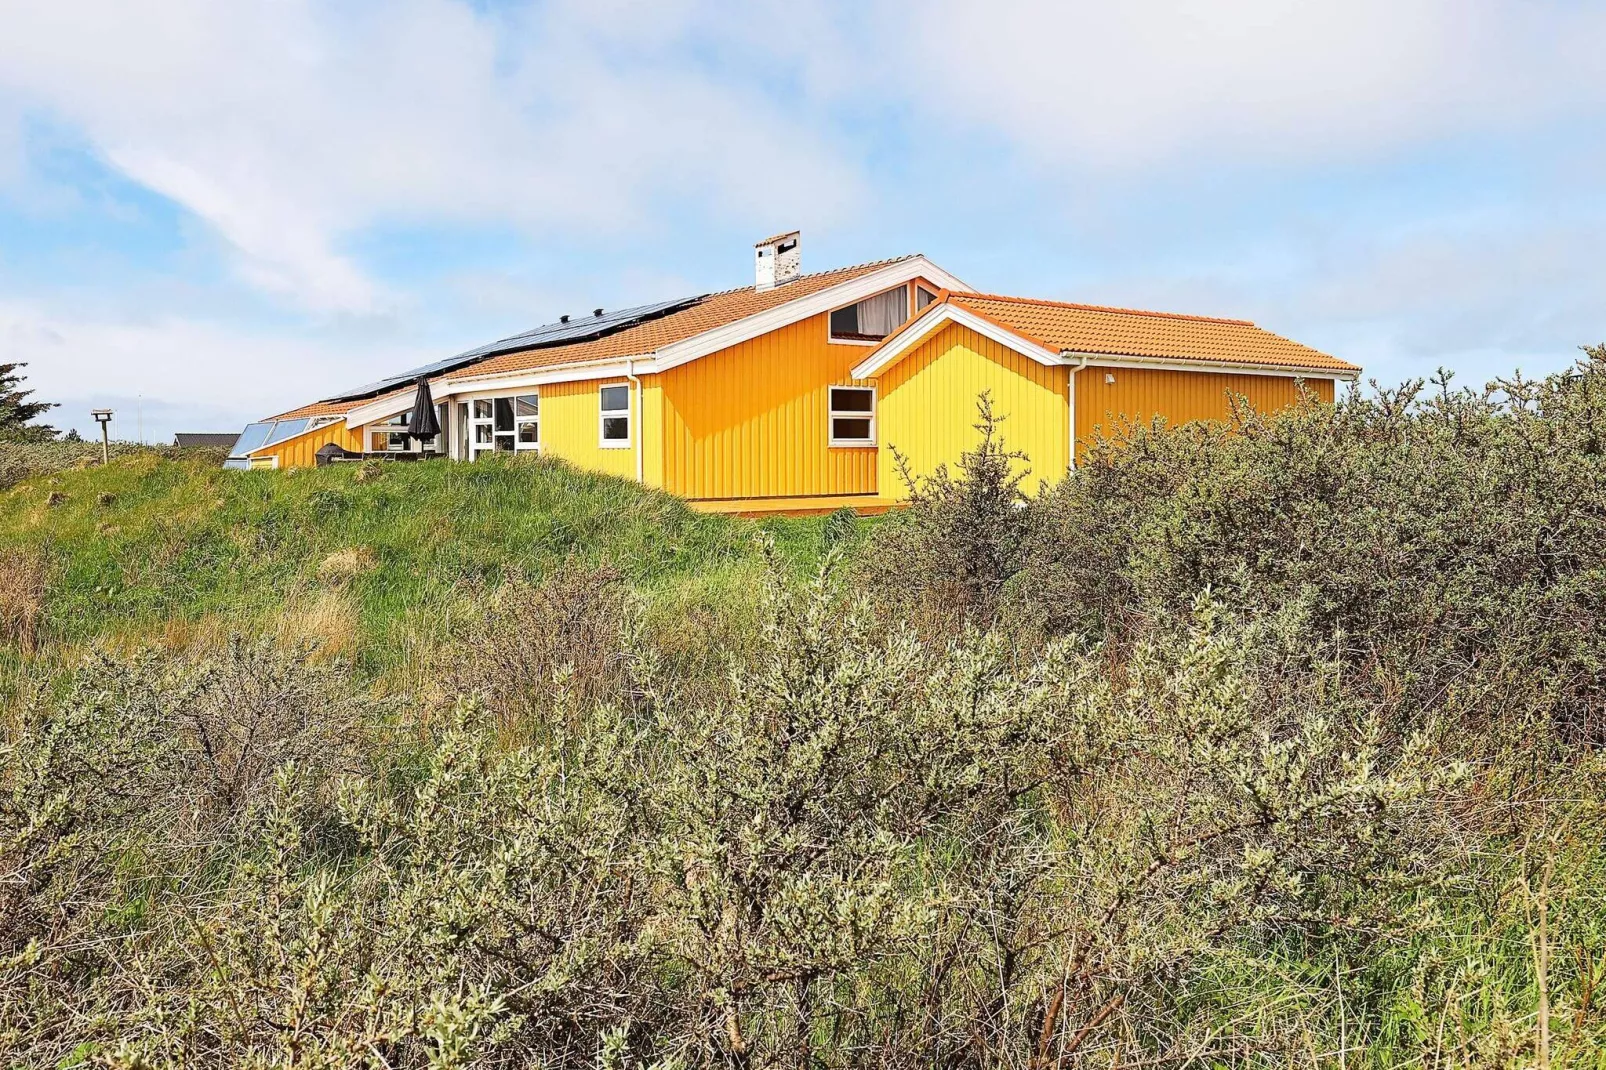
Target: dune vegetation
1273	743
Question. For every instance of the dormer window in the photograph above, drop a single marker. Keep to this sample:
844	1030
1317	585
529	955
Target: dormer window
872	319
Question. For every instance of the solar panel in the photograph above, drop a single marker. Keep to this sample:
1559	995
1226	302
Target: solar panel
285	429
251	438
582	328
578	329
261	435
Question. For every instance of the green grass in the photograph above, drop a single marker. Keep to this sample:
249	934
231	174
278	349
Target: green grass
162	544
24	460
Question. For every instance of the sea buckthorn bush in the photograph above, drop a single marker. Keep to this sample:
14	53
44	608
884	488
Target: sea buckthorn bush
1269	743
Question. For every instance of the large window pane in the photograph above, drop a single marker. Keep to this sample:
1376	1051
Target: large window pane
850	429
846	399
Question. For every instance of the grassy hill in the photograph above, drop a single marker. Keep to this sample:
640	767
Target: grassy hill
1272	744
373	561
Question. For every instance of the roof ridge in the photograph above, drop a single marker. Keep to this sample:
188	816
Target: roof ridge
817	274
1102	308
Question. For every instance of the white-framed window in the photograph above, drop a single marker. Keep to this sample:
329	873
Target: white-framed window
527	422
923	297
390	436
481	427
613	416
504	425
852	416
872	319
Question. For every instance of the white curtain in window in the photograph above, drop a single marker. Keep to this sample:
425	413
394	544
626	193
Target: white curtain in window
882	314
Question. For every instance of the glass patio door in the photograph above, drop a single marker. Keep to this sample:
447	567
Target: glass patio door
481	428
504	425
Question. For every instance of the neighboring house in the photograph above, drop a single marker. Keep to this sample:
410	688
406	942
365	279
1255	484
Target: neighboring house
791	394
188	440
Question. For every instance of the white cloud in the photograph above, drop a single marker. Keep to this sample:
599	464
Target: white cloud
1481	296
1181	82
228	373
289	127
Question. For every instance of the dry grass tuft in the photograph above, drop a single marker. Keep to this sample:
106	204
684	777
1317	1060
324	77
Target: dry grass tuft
343	566
24	577
329	621
554	644
209	633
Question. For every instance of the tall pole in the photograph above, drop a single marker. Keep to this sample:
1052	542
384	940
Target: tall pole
103	417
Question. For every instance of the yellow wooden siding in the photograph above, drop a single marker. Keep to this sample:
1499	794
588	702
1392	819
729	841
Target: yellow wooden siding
926	407
652	430
1179	396
751	421
571	429
302	451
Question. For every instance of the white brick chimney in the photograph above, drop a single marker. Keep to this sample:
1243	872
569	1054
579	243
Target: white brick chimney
777	260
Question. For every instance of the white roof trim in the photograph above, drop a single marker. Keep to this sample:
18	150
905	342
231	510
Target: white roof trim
784	315
951	313
494	384
897	273
566	373
318	424
558	373
1181	364
378	410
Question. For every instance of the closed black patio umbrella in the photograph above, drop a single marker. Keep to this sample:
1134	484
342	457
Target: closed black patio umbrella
423	425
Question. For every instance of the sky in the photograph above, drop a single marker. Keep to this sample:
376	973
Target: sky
211	212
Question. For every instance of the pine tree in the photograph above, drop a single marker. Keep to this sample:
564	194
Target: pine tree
16	410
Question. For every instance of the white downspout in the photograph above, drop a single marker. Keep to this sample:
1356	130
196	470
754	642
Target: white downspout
641	419
1070	396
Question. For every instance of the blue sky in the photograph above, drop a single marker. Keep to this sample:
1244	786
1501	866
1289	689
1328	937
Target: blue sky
211	212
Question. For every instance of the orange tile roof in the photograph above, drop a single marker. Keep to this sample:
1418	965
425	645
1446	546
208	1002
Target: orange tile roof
318	408
715	310
1128	332
1055	325
337	408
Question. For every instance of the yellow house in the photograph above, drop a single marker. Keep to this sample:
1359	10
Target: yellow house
792	394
